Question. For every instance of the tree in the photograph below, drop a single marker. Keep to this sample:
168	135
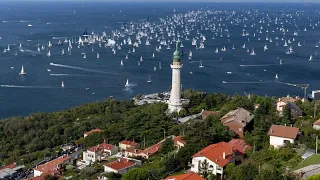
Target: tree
246	171
167	146
50	177
137	174
314	177
204	169
287	117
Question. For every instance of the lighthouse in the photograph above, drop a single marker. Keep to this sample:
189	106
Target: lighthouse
175	103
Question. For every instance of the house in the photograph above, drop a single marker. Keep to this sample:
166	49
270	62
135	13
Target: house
296	112
308	171
120	166
147	153
294	109
280	135
178	142
238	120
216	155
205	113
11	171
52	166
316	125
282	102
99	152
188	176
123	145
92	131
240	148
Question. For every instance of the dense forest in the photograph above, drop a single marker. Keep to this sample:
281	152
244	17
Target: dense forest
32	138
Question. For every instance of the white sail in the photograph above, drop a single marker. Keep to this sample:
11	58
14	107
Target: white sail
201	65
22	71
98	55
149	80
49	53
62	84
121	63
127	83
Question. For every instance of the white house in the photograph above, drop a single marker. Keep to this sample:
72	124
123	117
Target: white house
51	166
280	135
217	156
99	152
316	125
121	166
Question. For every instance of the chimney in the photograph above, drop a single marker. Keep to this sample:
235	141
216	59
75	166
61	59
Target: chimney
224	155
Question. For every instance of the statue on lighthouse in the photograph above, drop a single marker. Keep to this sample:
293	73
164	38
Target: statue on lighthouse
175	103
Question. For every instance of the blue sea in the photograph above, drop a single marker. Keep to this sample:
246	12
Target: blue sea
91	79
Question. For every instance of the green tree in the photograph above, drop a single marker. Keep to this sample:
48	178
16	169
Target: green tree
50	177
246	171
136	174
314	177
287	117
167	146
204	169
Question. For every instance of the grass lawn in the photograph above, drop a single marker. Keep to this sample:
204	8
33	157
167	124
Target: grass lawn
314	159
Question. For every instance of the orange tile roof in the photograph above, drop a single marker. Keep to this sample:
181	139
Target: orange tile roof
121	164
131	143
179	139
208	113
152	149
283	131
239	145
317	122
189	176
214	153
102	146
10	166
52	165
93	131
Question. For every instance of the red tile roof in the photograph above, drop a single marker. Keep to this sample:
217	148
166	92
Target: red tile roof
214	153
93	131
208	113
179	139
52	165
283	131
189	176
10	166
239	145
102	146
152	149
122	163
317	122
237	120
131	143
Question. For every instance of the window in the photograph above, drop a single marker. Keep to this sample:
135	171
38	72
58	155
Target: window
286	141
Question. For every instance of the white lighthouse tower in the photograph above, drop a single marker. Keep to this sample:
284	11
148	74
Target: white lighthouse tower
175	103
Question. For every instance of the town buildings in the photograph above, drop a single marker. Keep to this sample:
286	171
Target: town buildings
99	152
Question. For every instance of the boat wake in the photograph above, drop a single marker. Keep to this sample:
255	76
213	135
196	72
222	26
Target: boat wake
257	65
82	69
80	75
31	87
246	82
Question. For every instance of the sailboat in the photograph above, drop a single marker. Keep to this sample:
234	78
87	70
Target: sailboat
159	65
276	77
153	55
141	59
62	53
127	83
310	58
280	62
201	65
22	71
149	80
98	55
121	63
252	53
62	84
265	48
84	56
49	53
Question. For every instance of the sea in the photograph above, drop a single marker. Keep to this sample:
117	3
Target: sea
92	80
